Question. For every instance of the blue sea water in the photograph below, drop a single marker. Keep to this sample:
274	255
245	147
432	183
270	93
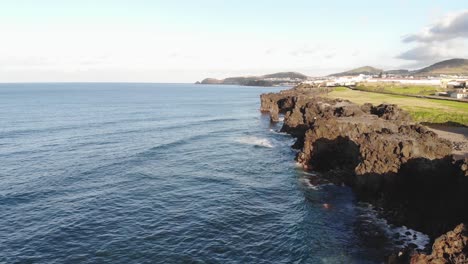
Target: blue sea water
162	173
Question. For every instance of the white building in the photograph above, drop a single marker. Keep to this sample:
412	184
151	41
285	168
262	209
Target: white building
434	82
460	94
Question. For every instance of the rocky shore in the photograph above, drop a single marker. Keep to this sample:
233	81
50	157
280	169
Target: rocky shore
397	165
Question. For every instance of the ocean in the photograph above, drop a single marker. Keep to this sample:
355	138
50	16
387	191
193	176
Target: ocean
166	173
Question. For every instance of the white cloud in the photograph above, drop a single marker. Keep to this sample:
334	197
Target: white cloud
445	39
450	27
435	51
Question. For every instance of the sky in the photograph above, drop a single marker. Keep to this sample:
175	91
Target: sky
186	41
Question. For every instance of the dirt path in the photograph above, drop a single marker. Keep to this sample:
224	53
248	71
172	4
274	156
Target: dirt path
457	135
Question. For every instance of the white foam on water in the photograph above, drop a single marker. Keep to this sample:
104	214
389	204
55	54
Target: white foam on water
255	141
306	182
278	132
273	131
298	165
309	173
412	236
406	236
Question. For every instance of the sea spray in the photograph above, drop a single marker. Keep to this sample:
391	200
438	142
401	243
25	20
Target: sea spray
255	141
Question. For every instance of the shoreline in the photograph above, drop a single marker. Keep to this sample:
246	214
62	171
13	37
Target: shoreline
408	170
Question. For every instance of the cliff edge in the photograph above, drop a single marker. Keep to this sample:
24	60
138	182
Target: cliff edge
390	161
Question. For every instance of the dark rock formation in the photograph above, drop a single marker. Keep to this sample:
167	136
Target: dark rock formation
463	165
390	161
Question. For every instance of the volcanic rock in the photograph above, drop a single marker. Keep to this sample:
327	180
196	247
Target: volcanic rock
389	160
451	247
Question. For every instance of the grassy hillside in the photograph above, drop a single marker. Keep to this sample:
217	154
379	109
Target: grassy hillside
422	110
292	75
368	70
258	80
397	88
399	72
448	67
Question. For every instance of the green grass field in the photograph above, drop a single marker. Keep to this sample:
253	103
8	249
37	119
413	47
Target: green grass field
399	89
421	109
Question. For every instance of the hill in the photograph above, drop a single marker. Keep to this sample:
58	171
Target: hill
263	80
211	81
447	67
291	75
397	72
367	70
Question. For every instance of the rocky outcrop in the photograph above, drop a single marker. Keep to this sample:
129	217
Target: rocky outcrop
463	165
275	104
451	247
388	160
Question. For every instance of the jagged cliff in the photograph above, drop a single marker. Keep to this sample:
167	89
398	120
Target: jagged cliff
388	160
451	247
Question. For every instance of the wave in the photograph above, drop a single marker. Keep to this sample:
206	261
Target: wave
401	236
306	182
278	132
256	141
313	181
309	173
198	123
150	153
14	133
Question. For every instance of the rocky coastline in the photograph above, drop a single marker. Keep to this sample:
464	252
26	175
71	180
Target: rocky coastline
399	166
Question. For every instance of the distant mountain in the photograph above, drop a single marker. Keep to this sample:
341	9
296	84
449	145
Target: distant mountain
291	75
264	80
211	81
447	67
367	70
397	72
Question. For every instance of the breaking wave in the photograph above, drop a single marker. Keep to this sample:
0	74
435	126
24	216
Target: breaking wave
255	141
400	236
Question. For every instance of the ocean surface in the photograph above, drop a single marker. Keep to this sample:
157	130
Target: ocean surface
166	173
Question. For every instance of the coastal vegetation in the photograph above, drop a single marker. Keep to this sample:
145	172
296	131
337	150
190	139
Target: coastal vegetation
420	109
446	67
264	80
397	88
449	67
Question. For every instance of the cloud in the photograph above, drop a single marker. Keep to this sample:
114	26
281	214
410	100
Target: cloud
434	51
445	39
450	27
